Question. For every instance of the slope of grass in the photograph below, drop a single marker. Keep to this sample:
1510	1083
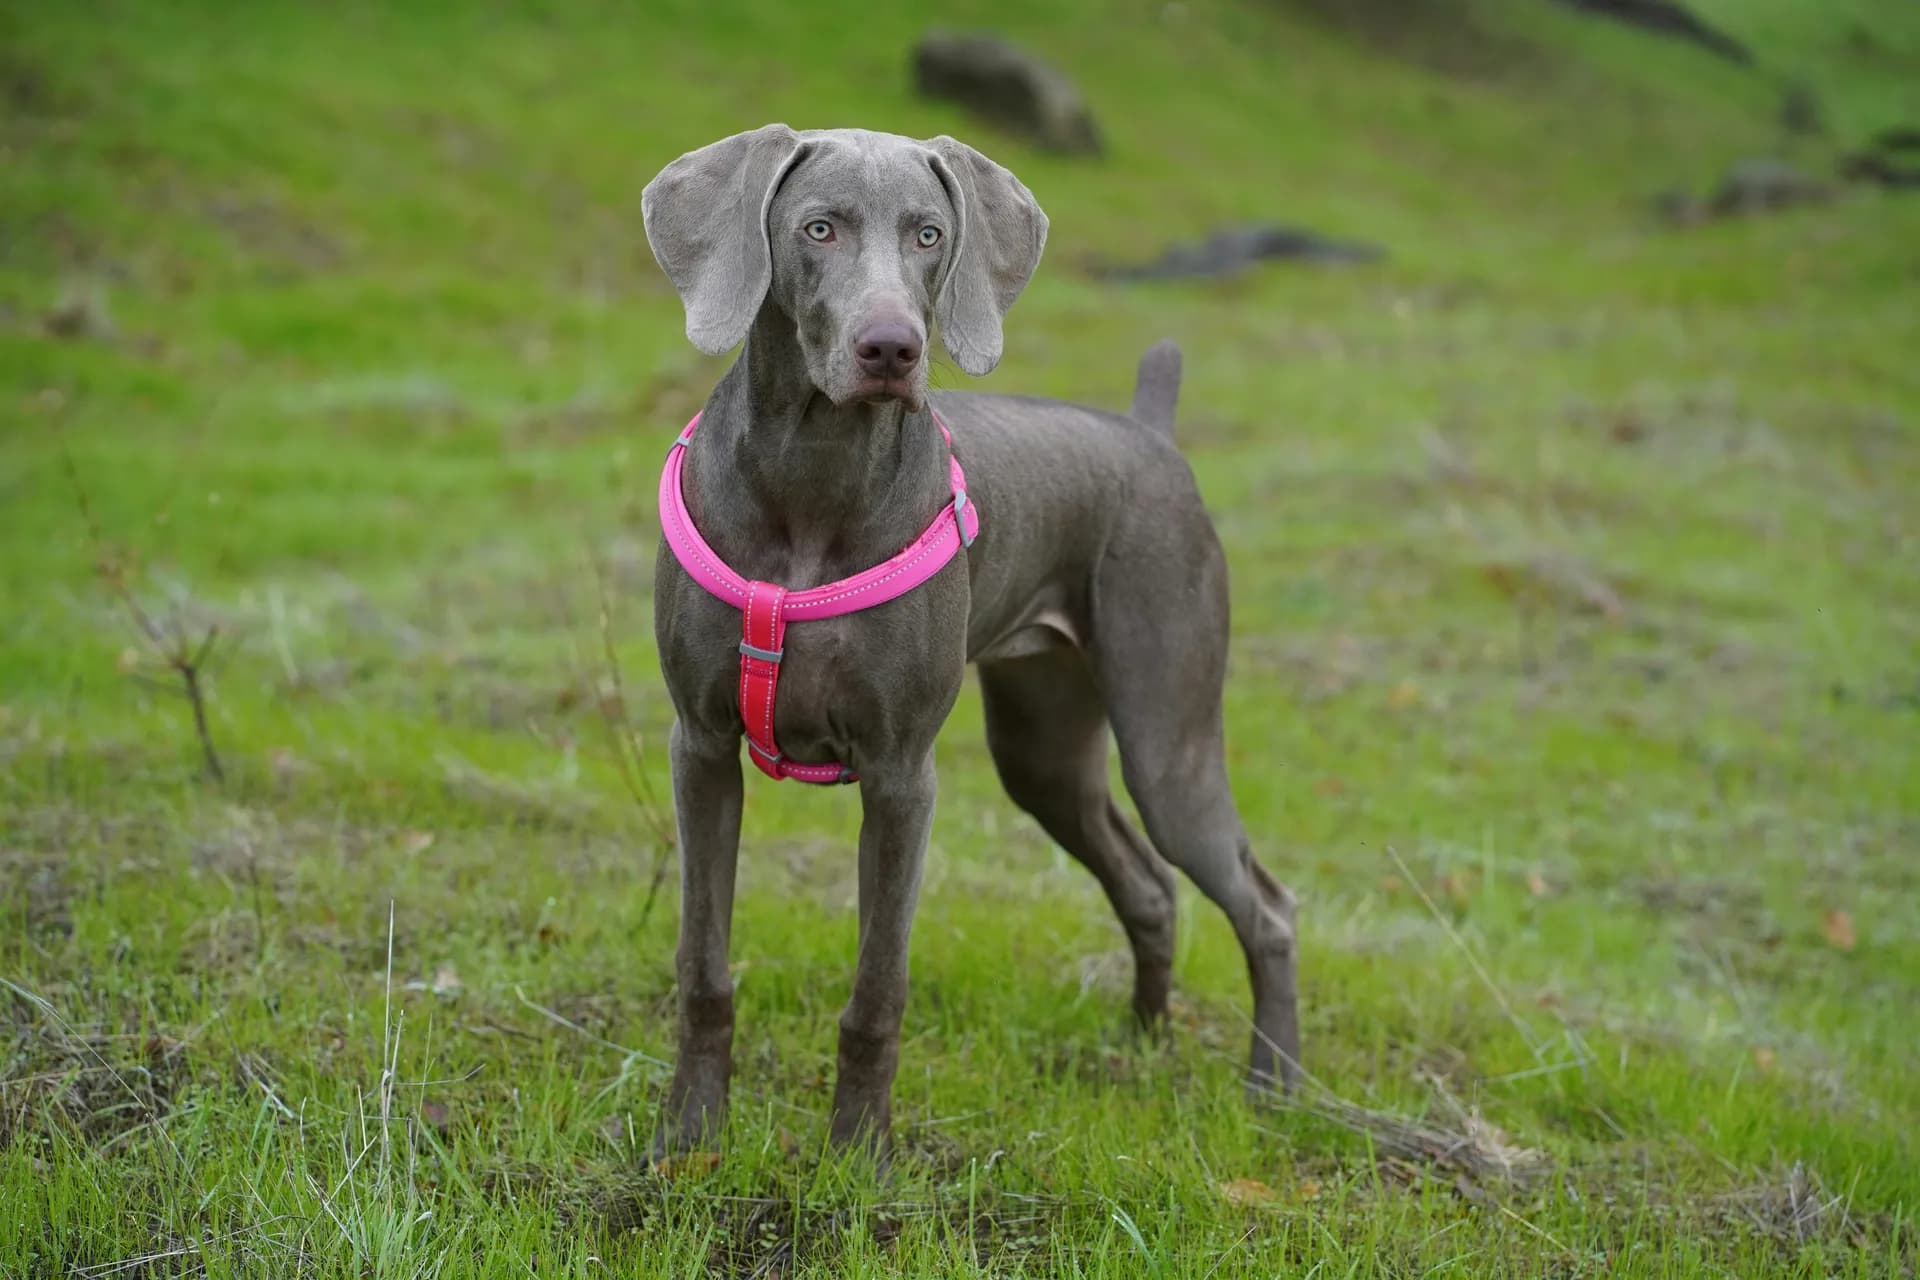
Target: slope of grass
1575	681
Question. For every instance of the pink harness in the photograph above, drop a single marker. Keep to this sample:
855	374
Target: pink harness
766	608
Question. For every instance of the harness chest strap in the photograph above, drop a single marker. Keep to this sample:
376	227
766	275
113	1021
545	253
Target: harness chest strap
766	607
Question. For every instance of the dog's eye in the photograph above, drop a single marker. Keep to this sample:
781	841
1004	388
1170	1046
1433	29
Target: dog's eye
820	229
929	237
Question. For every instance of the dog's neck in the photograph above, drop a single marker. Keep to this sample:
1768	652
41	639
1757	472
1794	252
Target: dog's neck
776	462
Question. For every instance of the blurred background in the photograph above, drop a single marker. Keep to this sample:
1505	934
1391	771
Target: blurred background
1550	373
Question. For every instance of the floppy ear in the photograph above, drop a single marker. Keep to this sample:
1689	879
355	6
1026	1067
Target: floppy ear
995	250
706	219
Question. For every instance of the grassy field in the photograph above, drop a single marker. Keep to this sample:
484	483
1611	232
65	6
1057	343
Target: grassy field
1576	679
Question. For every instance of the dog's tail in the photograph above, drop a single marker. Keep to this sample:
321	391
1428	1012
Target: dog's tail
1157	386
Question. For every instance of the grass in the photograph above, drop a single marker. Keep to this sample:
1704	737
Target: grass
1575	681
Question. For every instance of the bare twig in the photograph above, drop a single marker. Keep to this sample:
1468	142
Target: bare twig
256	1072
628	750
170	641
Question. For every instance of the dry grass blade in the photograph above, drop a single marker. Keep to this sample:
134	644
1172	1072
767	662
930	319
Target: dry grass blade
1795	1209
1486	979
1468	1146
67	1080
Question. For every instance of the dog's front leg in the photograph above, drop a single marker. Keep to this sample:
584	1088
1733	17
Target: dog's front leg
706	800
896	816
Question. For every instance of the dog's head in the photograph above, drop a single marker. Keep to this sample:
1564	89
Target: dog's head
863	241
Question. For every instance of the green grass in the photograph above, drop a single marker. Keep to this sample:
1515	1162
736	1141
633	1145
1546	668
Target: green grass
1576	677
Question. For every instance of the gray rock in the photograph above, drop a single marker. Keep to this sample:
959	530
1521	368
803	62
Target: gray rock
1006	86
1893	160
1763	186
1752	186
1233	249
1882	169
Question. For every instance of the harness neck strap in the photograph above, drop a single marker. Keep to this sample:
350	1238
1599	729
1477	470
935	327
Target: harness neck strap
766	607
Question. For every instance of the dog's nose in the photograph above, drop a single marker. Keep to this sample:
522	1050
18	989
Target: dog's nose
887	350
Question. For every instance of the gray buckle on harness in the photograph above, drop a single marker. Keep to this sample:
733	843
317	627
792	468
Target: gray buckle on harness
771	757
765	655
959	511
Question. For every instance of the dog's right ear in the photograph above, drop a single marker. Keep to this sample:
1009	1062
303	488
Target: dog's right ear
706	220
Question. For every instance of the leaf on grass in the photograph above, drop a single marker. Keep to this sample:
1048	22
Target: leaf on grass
129	660
1405	694
1245	1193
1309	1190
1837	928
446	982
692	1164
436	1115
1764	1058
1537	884
417	841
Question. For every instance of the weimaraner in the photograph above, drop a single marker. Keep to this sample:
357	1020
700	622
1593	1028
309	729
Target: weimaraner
1093	599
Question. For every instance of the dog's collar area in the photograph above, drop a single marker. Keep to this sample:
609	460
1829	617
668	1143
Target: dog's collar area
766	607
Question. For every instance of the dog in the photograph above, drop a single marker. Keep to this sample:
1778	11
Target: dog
1081	575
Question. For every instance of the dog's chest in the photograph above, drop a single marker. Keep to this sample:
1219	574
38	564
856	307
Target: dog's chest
848	685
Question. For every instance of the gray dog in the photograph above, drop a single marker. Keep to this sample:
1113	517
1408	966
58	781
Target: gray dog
1094	597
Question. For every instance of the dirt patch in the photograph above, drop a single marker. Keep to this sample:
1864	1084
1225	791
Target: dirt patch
1793	1208
98	1083
35	882
28	92
775	1234
266	230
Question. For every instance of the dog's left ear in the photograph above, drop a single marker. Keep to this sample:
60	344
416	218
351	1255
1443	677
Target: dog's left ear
706	219
995	249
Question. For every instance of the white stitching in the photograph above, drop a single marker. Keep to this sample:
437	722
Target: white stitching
944	519
772	622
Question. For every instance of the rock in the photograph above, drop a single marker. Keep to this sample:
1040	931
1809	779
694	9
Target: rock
1007	86
1680	207
1752	186
1763	186
1892	162
1668	18
1233	249
1881	170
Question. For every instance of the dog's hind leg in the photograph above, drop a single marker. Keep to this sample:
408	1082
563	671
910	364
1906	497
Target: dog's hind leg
1047	729
1159	647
